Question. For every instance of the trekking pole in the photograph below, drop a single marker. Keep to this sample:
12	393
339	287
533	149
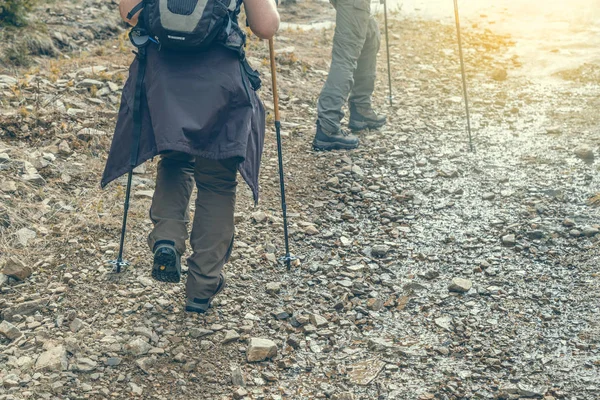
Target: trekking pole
139	39
288	258
464	77
119	263
387	44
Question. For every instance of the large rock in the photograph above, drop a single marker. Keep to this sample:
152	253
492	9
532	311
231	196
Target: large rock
64	148
240	393
311	230
358	171
16	269
449	172
8	80
343	396
509	240
135	389
375	304
84	364
76	325
8	186
144	194
24	236
380	250
230	336
147	333
138	347
145	364
9	331
237	376
444	323
87	83
261	349
318	320
33	179
26	308
499	74
92	70
140	169
87	134
334	182
10	381
273	287
54	359
380	344
590	231
200	332
585	153
460	285
531	391
259	216
364	372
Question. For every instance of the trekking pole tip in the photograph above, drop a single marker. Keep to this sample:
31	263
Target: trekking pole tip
287	260
118	265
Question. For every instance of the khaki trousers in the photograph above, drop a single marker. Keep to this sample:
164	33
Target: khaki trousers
353	62
212	229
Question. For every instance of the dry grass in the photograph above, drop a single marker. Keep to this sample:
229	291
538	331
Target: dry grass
22	46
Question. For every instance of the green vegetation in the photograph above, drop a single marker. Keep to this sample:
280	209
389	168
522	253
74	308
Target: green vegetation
13	12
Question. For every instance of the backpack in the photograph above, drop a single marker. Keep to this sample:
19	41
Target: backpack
191	25
184	25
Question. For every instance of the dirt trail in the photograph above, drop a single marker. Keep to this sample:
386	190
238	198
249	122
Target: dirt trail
427	271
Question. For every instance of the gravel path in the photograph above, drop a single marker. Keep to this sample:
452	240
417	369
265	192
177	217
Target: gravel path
425	271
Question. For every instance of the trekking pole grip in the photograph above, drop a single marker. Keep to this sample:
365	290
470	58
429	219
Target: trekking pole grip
274	79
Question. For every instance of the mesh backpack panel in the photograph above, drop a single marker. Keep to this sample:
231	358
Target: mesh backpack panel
189	24
182	7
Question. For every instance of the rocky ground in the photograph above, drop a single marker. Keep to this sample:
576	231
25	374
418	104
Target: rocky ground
425	271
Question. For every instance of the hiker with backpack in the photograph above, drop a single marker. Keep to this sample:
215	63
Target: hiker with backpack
352	73
190	99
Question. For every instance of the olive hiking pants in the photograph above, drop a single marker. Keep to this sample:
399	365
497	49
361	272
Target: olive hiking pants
212	229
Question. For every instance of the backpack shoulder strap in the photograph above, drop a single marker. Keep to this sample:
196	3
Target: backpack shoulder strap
135	9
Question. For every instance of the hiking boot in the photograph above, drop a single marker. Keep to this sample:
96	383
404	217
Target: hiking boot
167	262
341	140
201	306
362	118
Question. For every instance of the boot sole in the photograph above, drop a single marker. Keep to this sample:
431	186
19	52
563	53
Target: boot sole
326	146
165	268
357	126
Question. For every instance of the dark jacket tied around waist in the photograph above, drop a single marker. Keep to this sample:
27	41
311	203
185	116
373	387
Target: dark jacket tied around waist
198	103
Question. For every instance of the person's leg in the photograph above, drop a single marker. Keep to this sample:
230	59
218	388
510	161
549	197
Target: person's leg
366	69
352	24
362	115
212	231
170	203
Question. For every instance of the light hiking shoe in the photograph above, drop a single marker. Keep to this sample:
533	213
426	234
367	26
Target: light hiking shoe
362	118
201	306
167	262
341	140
